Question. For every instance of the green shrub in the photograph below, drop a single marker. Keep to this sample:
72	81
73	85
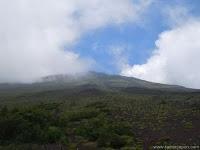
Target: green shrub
188	125
117	141
53	134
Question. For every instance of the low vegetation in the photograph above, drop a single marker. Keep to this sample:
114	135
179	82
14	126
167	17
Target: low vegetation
107	121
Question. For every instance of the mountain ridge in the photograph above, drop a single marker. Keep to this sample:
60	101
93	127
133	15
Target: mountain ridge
100	81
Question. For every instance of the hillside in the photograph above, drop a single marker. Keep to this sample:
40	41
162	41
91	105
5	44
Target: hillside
92	79
96	111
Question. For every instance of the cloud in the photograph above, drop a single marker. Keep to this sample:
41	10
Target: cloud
177	15
175	59
119	54
33	33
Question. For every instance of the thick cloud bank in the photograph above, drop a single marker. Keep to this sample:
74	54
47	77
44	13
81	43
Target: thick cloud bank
33	33
176	59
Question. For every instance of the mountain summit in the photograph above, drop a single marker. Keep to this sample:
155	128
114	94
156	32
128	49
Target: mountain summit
107	81
91	80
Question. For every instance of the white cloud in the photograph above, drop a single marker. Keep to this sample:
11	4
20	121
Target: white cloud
175	60
177	15
34	32
119	54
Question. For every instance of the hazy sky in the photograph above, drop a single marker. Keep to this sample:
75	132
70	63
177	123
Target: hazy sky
154	40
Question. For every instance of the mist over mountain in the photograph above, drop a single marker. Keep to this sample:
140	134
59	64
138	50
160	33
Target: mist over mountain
91	80
107	81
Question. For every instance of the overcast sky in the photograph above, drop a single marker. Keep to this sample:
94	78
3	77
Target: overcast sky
153	40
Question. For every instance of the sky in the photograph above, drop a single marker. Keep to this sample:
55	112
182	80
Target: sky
154	40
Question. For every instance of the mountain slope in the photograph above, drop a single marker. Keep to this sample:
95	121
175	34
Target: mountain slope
85	110
90	80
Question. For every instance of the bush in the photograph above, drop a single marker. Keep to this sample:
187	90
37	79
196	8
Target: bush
104	138
188	125
53	134
117	141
